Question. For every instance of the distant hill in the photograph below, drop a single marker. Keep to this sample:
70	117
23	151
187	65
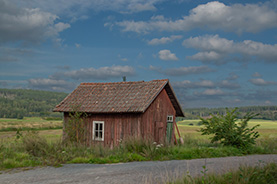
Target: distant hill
265	112
19	103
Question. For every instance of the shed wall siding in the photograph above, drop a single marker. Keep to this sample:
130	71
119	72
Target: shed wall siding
156	116
117	127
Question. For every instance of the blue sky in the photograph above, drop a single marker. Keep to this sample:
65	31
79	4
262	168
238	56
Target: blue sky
215	53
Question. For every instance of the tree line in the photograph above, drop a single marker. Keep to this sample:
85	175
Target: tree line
265	112
19	103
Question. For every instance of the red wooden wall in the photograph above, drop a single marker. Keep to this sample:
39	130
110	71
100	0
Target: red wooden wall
156	116
119	126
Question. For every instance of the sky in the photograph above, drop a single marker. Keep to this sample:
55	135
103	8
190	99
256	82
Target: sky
214	53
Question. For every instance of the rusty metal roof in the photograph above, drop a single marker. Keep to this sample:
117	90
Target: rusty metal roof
117	97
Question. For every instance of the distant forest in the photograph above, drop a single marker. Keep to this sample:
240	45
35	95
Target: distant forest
19	103
265	112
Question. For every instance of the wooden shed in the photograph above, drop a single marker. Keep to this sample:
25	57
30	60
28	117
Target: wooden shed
122	109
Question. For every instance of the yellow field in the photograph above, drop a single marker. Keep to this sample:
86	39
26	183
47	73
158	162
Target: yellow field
50	135
49	129
29	122
267	128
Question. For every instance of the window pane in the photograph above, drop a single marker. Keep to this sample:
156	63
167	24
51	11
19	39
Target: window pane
98	130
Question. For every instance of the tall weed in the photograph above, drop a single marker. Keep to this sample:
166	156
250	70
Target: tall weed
262	174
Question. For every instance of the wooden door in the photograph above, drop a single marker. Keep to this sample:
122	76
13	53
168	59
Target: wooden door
159	132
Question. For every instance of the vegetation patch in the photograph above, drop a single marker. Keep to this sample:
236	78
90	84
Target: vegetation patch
31	123
262	174
226	130
34	149
20	103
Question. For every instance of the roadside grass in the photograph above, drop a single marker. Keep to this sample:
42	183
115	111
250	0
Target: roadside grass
262	174
34	149
44	147
29	123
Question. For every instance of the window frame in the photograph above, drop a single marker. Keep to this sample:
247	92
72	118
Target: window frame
94	130
169	118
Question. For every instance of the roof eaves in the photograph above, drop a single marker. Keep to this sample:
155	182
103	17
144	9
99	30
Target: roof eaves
181	113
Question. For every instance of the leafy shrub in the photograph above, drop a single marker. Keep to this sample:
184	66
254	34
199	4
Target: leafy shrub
76	127
228	132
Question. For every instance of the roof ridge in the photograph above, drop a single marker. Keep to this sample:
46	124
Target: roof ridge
123	82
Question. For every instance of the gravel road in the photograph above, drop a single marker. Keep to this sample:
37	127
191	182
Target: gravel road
133	172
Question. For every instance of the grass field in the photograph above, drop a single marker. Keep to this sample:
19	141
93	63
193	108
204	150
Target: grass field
33	150
187	128
50	129
28	123
267	128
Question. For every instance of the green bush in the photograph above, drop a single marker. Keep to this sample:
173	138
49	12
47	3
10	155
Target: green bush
228	131
75	128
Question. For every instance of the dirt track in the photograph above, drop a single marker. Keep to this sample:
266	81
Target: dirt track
133	172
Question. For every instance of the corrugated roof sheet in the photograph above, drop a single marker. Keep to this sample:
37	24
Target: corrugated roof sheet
117	97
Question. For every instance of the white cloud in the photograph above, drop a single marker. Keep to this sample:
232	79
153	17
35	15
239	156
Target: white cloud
138	6
214	49
124	59
210	43
209	57
27	24
76	9
51	84
214	15
205	84
102	73
261	82
256	74
164	40
167	55
212	92
187	70
181	71
77	45
193	85
229	85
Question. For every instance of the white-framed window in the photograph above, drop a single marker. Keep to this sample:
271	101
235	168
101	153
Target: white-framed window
98	130
170	118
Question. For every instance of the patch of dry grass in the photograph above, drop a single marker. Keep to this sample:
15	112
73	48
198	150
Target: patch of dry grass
7	124
267	129
50	135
